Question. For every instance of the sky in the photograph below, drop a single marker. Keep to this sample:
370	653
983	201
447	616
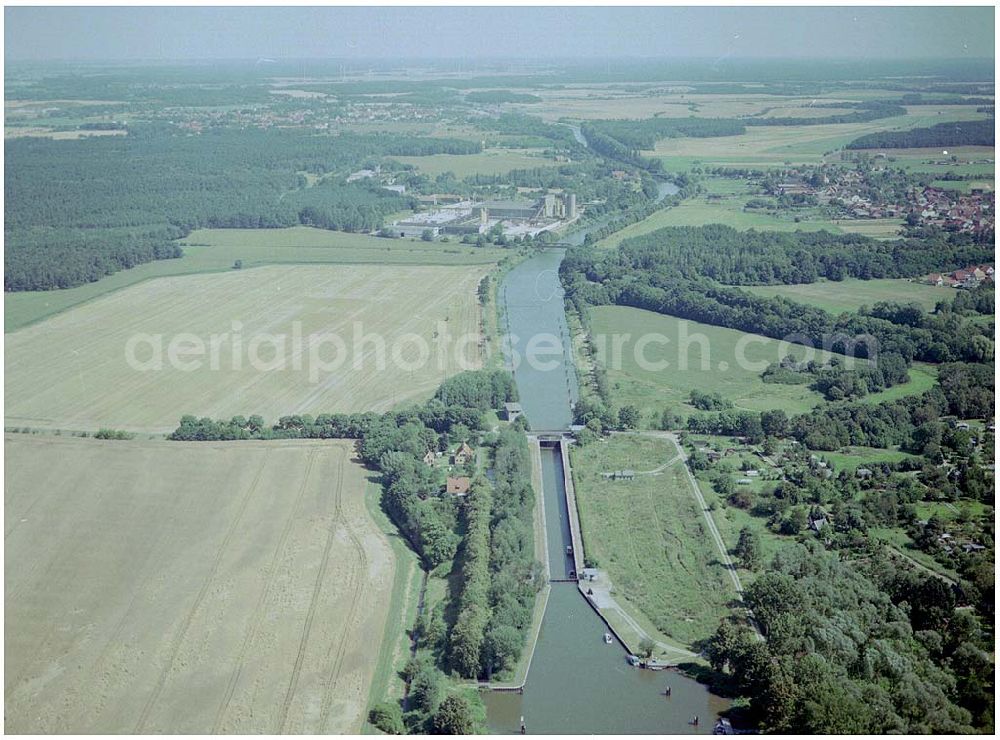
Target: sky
192	33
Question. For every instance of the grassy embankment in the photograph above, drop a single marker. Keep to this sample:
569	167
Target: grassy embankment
649	535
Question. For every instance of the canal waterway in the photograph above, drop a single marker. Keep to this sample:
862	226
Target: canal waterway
577	683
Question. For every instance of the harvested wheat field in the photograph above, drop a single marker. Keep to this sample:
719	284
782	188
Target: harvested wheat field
189	588
273	340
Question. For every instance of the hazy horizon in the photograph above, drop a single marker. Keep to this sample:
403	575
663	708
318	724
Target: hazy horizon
455	33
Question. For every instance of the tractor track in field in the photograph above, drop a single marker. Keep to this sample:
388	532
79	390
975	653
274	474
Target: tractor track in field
189	618
314	602
361	577
262	600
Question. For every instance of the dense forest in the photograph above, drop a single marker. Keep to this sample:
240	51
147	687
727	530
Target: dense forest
963	133
495	97
856	646
78	210
771	257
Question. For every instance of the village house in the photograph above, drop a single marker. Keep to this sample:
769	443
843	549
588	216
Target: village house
429	458
463	454
817	523
457	485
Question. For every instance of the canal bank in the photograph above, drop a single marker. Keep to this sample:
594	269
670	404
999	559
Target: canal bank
576	682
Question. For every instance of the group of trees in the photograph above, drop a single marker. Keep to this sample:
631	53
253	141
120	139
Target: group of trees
465	644
838	380
478	389
965	390
499	574
121	200
851	649
42	258
769	257
432	708
958	133
495	97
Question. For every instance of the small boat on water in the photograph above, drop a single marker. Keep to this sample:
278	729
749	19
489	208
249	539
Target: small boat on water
607	638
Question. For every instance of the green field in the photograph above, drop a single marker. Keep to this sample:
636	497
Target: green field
922	378
488	162
852	458
721	372
772	146
277	340
851	294
723	203
713	364
215	250
701	210
963	186
959	160
649	535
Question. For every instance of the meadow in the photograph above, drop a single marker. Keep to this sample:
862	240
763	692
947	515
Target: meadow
773	146
851	294
724	201
852	458
190	588
489	162
959	160
216	250
708	365
587	102
72	371
650	536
